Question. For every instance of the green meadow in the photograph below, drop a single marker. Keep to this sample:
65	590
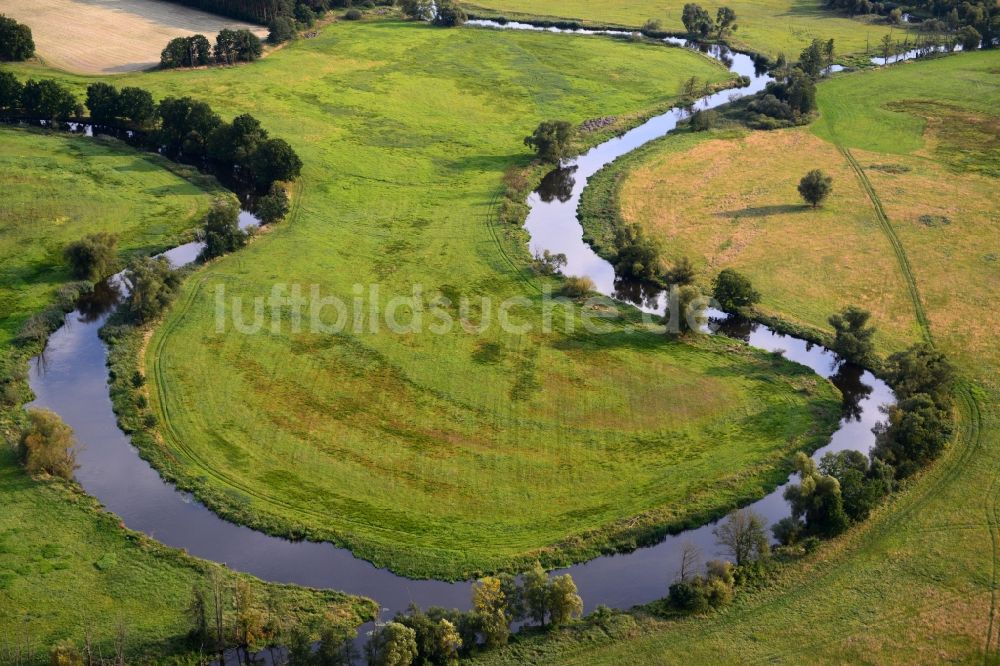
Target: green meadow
59	188
69	570
455	453
768	26
916	583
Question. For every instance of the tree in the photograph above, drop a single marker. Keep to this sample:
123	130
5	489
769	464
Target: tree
393	645
336	645
136	105
733	291
816	57
65	653
681	273
92	257
449	14
200	635
280	29
888	47
48	100
551	140
221	232
703	120
725	21
565	603
248	619
853	338
420	10
193	51
969	38
743	534
490	606
11	92
48	445
16	42
817	499
696	20
274	160
685	309
103	102
548	263
233	145
690	557
185	125
273	206
535	590
438	639
815	186
153	284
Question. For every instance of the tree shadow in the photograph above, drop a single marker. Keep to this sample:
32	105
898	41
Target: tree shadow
764	211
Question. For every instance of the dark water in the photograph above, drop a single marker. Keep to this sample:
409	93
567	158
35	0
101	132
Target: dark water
71	378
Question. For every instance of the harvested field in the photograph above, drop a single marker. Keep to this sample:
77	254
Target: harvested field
107	36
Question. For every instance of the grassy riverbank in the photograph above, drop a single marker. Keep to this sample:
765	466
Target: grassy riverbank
67	568
917	583
453	453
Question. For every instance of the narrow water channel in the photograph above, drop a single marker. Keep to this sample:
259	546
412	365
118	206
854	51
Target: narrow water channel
71	378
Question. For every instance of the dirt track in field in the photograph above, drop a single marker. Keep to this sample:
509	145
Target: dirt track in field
108	36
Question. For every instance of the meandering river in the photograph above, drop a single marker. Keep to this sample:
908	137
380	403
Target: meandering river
71	378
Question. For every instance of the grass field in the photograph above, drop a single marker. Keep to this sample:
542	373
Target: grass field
448	454
59	188
66	567
768	26
918	582
107	36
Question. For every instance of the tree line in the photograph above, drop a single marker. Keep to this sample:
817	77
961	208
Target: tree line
181	128
970	22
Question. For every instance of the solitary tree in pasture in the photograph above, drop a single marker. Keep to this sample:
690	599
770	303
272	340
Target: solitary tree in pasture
725	21
734	291
815	186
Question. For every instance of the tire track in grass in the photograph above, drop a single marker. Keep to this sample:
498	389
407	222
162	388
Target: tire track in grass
897	245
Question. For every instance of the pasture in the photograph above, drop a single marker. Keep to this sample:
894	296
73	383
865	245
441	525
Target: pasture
69	570
59	188
915	584
769	26
107	36
456	453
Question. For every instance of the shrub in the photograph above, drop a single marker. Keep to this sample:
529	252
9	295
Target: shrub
353	15
548	263
704	120
48	445
577	286
92	257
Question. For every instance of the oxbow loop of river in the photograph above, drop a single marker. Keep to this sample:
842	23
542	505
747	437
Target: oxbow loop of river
71	378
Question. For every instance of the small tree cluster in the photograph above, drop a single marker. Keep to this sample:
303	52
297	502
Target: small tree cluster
919	425
39	100
231	47
548	263
16	42
637	255
92	257
698	22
